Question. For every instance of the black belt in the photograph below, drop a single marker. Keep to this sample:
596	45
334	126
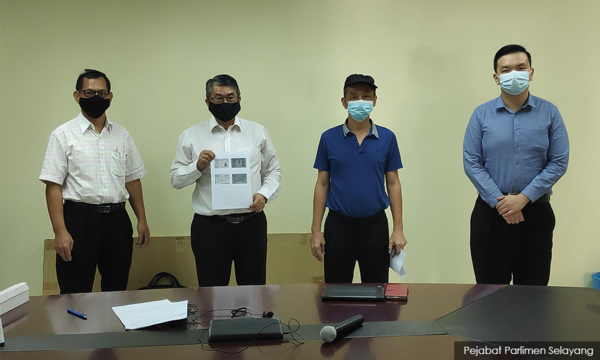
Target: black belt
101	208
236	218
543	199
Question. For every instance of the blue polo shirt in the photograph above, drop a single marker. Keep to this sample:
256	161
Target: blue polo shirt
357	173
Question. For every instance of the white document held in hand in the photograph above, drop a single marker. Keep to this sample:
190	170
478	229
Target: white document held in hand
396	263
137	316
230	181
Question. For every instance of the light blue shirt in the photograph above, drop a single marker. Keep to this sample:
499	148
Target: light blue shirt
515	152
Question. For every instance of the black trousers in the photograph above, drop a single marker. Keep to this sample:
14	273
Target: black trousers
216	243
348	240
521	252
99	239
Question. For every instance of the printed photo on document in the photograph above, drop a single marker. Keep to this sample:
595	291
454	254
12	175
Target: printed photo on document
230	179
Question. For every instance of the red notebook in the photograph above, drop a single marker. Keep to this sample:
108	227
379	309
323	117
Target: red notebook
396	291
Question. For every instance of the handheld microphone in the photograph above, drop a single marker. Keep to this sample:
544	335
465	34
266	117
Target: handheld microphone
331	333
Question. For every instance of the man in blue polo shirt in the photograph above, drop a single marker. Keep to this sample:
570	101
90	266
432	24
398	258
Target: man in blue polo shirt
353	160
515	149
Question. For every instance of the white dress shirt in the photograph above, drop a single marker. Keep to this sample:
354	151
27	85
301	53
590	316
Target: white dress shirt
242	135
92	167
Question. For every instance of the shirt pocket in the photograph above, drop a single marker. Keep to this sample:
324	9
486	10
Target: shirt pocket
118	166
538	140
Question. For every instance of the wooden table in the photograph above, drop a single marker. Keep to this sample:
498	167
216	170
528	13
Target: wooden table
46	316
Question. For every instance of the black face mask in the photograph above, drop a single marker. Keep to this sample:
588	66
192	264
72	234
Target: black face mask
224	111
94	106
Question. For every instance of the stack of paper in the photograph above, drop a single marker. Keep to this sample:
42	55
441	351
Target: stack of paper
137	316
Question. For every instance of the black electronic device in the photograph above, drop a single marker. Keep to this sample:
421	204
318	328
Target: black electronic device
245	329
353	292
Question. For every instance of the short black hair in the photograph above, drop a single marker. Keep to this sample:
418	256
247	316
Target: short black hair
222	80
510	49
90	74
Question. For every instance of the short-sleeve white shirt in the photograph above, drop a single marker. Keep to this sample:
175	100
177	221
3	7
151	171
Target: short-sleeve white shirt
92	167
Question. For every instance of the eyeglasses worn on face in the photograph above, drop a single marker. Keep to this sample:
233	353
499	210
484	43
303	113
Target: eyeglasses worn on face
220	99
91	93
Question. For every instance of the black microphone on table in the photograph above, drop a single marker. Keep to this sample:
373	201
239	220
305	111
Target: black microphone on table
335	332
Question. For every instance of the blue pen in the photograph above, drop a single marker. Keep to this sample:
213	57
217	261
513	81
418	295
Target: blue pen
78	314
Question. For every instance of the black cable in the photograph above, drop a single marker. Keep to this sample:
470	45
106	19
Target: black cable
208	348
195	318
239	312
292	332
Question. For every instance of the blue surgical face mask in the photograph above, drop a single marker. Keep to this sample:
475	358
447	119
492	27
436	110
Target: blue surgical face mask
514	82
360	109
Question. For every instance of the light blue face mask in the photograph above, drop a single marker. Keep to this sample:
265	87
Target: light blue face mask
360	109
514	82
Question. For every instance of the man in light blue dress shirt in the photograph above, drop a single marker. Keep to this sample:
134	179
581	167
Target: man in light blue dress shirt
515	149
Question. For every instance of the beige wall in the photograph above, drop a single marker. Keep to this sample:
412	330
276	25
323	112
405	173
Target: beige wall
431	59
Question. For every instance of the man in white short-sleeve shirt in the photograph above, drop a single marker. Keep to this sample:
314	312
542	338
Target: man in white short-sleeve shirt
91	168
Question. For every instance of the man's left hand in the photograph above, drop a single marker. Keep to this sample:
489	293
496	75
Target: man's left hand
514	218
398	239
511	204
143	234
258	202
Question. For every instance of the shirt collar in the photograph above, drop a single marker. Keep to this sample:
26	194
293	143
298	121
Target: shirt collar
531	101
85	124
373	129
213	123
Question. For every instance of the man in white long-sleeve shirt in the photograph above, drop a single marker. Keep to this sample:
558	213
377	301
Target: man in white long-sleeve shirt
222	236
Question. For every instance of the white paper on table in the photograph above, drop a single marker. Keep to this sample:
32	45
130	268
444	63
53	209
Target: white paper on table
137	316
396	263
230	180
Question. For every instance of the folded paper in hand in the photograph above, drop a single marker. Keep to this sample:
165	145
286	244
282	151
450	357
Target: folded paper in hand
396	263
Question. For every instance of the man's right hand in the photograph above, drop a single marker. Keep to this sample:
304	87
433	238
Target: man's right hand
63	244
317	246
514	218
205	157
